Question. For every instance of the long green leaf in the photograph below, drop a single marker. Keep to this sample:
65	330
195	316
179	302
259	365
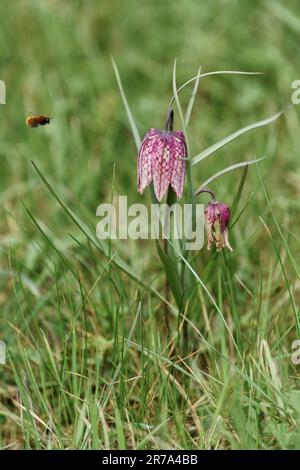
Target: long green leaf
208	74
210	150
192	100
227	170
237	197
131	119
171	271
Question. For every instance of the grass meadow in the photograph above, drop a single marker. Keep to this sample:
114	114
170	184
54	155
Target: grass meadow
90	364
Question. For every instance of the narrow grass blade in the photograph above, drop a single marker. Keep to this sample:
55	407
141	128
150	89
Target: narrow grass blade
208	74
210	150
175	91
192	100
131	119
149	437
119	428
237	197
227	170
232	224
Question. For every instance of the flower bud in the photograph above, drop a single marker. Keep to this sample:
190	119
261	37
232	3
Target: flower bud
217	217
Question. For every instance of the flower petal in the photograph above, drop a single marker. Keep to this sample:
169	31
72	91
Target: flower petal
144	170
162	164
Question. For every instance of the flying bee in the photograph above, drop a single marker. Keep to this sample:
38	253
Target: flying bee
35	121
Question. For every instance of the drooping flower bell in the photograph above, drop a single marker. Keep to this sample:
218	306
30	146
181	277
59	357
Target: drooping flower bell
161	160
217	217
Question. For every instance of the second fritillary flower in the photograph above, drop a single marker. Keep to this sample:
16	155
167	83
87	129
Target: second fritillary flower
217	217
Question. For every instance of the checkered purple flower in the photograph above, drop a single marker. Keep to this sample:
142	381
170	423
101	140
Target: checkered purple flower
159	160
217	217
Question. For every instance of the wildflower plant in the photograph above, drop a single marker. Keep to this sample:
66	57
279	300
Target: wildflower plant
165	165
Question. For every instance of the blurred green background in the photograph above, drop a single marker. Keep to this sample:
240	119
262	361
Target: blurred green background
55	58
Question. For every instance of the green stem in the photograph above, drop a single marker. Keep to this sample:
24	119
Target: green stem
186	255
171	198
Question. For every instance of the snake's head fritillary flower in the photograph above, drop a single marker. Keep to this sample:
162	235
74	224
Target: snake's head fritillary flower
160	160
217	217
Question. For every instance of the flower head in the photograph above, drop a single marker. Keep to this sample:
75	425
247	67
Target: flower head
217	217
160	161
